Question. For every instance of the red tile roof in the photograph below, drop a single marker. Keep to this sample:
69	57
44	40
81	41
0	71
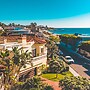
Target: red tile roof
36	39
40	41
15	38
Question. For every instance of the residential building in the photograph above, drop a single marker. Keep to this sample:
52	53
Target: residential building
32	44
1	28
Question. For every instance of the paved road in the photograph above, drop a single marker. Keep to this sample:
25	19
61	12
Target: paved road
81	65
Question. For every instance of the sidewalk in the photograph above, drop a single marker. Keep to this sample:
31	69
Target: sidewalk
55	85
80	70
73	72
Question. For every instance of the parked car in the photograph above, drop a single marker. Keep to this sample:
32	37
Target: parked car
69	59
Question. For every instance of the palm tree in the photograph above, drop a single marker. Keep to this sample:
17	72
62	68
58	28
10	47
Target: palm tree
57	66
6	63
33	26
21	58
52	49
11	24
13	62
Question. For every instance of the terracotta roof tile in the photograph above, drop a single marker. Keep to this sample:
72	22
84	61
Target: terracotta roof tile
36	39
15	38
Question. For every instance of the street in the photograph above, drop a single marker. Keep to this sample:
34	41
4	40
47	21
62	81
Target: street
81	65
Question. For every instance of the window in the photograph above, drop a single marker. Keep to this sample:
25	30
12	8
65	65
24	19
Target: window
34	52
42	50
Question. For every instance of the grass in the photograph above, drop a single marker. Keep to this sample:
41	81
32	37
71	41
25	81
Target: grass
52	76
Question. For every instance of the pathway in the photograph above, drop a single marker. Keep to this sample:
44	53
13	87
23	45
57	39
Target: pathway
55	85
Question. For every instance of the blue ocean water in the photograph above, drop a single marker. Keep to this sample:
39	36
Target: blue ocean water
85	31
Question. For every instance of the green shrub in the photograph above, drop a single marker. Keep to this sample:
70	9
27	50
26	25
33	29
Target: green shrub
34	83
74	83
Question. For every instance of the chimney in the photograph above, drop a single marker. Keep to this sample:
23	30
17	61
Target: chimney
24	39
5	40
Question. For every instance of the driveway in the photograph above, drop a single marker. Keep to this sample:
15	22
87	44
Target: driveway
81	65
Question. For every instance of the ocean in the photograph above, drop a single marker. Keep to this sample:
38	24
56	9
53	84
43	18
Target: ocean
84	31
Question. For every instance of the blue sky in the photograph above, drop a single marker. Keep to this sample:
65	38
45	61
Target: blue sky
44	11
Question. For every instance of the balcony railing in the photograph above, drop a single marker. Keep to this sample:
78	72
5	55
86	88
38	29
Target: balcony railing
36	61
39	57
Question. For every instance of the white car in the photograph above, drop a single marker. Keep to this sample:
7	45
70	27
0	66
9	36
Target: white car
69	59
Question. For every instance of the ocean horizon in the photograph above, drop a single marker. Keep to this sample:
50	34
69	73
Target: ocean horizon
84	31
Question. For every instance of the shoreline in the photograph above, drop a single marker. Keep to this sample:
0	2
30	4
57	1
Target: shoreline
79	31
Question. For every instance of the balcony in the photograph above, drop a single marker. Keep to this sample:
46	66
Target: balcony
36	62
39	57
42	59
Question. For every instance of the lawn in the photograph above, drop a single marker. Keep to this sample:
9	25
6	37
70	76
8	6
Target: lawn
52	76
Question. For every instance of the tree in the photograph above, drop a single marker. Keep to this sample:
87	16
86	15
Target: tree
55	39
47	87
1	32
57	66
11	24
85	46
74	83
46	27
33	26
34	83
13	62
70	39
2	25
52	49
5	32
